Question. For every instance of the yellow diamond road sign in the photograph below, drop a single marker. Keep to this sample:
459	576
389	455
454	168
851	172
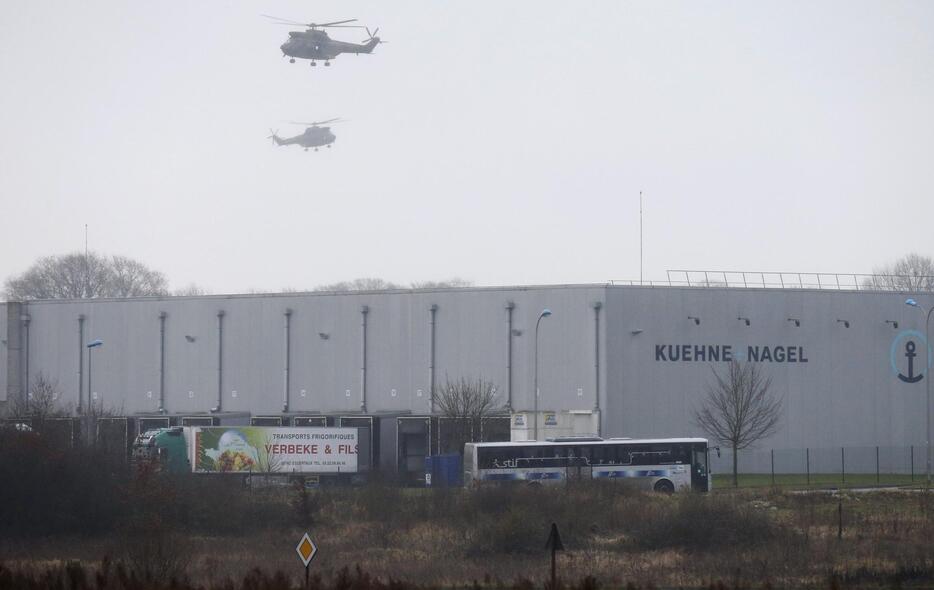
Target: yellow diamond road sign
306	549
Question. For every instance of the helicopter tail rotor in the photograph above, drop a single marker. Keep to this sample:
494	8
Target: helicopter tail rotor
372	39
274	137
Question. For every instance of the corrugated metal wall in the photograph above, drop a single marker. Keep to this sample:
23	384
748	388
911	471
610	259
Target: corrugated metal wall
847	394
326	349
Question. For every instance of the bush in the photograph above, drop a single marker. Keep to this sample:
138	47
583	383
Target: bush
702	523
47	490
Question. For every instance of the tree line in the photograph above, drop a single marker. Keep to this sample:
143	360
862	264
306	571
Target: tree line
92	276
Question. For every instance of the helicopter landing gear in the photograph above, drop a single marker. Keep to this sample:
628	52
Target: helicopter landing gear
313	64
327	63
292	60
306	149
316	149
329	146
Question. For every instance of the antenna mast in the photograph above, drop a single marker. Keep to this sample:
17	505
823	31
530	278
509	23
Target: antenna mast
640	237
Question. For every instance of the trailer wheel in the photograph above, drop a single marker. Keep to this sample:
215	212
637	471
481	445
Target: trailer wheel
663	486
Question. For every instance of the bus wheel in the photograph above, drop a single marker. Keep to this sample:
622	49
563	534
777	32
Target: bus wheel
663	486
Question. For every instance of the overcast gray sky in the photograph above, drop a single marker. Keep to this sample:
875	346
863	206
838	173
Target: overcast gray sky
503	142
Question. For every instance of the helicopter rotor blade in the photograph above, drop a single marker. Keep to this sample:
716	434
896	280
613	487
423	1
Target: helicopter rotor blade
335	23
285	21
314	123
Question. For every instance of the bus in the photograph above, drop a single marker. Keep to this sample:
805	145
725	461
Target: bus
661	464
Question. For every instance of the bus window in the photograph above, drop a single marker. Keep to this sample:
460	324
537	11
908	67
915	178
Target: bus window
586	453
681	453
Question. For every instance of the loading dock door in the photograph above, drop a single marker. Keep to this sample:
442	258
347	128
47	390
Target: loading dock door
414	436
319	421
266	421
367	456
145	424
199	421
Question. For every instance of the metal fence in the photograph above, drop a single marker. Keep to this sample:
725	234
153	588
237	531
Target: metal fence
826	466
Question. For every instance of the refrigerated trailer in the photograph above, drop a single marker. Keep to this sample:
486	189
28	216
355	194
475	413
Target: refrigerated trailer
252	450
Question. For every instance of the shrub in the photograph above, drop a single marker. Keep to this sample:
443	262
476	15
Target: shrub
702	522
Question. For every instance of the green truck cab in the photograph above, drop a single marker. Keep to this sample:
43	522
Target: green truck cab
163	448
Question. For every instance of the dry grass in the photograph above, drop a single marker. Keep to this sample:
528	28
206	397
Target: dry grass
210	532
496	537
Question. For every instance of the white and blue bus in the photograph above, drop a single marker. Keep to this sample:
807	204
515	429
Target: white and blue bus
661	464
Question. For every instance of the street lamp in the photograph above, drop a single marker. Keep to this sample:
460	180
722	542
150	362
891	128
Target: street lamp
91	346
927	377
545	313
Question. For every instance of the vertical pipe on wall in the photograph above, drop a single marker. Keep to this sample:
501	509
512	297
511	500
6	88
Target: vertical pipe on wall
26	321
80	362
364	310
162	316
509	307
220	361
596	364
288	350
432	310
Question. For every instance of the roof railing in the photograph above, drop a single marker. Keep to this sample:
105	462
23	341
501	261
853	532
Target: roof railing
790	280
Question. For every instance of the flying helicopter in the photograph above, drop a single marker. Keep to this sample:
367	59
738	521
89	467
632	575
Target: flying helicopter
313	137
314	43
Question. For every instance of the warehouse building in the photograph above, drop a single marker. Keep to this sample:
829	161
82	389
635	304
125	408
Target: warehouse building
613	360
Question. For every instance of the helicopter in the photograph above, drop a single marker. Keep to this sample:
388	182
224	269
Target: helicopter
313	137
314	43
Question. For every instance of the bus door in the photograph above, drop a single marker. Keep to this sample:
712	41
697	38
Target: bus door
699	470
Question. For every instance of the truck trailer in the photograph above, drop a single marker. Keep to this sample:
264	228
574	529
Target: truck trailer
330	453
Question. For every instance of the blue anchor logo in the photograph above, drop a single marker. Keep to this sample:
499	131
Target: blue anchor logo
911	353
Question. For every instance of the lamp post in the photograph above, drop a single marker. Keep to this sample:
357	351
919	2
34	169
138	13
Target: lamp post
545	313
927	378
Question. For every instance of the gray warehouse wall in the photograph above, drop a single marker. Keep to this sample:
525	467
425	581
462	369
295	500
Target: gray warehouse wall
326	349
846	394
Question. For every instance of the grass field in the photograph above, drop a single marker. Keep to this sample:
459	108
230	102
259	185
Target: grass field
816	480
67	516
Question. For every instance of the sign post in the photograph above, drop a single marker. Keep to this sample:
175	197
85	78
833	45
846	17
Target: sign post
306	550
554	543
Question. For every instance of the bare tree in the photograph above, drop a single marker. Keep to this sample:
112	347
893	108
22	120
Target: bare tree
912	272
465	404
739	409
377	284
452	283
40	403
76	276
190	290
362	284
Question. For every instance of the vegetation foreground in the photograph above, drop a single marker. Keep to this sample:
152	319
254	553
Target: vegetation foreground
71	520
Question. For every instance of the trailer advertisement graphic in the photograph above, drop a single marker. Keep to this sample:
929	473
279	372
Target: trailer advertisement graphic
254	449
